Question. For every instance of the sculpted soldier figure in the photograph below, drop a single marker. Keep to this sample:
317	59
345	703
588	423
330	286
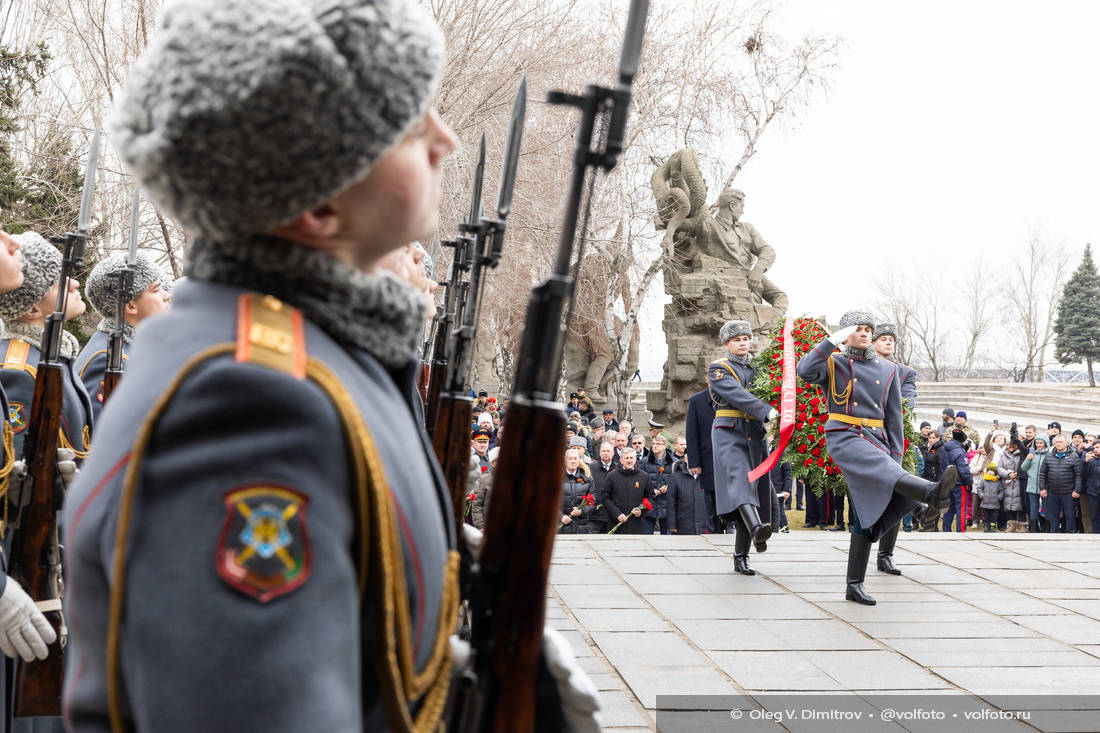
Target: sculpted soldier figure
145	298
865	436
740	445
262	506
745	246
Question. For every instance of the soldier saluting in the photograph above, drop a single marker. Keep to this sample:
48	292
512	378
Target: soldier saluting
865	436
740	445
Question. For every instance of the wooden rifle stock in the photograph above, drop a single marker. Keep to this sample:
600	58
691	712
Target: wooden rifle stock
509	608
110	382
422	377
35	553
451	441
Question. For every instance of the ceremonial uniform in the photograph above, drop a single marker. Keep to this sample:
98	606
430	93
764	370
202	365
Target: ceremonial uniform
248	459
21	357
739	444
90	366
865	433
738	438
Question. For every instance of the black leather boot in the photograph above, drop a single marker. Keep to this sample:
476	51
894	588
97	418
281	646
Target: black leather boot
741	541
759	531
886	552
936	495
859	552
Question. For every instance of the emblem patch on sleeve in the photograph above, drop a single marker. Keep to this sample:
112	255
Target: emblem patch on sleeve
263	549
17	415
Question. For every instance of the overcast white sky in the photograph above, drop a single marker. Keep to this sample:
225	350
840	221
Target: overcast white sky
951	129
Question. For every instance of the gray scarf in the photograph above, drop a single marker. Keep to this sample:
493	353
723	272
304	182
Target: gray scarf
745	360
375	312
70	347
856	353
107	326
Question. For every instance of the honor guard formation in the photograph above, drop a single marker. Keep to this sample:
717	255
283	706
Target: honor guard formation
267	498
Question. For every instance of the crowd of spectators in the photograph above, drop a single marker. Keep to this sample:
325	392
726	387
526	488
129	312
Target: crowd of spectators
622	480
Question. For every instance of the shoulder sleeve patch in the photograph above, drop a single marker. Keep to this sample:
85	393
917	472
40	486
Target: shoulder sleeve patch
270	333
17	416
263	550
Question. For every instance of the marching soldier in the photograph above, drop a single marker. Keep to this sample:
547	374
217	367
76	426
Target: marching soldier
865	437
146	297
261	467
884	340
740	445
24	312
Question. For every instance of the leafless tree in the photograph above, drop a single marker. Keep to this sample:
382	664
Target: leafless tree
1035	278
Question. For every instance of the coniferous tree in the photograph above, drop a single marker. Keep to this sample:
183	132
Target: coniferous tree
20	71
1077	329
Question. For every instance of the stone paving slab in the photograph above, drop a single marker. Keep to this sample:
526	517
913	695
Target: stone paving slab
972	613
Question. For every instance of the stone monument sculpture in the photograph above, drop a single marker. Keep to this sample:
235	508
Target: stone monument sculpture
715	272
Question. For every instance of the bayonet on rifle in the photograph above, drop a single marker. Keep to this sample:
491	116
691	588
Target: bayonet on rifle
451	434
36	553
124	283
508	596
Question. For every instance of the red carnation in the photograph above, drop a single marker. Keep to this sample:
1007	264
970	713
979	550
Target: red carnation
820	428
815	452
821	462
802	449
647	504
808	462
823	417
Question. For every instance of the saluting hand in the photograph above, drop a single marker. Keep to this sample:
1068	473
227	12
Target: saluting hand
840	337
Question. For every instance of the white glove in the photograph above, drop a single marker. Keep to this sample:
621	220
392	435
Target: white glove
66	466
23	628
841	336
473	538
772	414
580	703
460	655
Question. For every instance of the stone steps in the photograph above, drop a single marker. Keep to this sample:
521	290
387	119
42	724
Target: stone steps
1023	403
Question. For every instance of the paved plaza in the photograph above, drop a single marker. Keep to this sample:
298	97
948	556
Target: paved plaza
986	614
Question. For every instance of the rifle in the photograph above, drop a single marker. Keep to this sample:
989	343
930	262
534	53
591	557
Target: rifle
449	311
36	554
423	370
125	281
451	437
508	598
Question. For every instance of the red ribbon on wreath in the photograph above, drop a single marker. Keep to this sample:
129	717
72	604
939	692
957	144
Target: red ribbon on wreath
786	405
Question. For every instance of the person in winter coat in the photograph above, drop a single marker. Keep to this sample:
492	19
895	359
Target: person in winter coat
989	491
626	488
658	464
1091	472
687	503
1008	468
601	468
1031	467
1060	482
782	483
482	484
955	455
577	500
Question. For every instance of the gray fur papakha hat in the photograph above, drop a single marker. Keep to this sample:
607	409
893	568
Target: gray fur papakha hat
102	285
41	269
885	329
857	318
734	328
241	115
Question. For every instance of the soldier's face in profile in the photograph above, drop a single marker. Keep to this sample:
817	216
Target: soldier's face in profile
739	345
884	345
11	263
397	202
736	209
152	300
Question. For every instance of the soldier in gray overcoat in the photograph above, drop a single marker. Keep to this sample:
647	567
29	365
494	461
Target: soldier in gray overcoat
740	445
884	340
262	539
865	437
